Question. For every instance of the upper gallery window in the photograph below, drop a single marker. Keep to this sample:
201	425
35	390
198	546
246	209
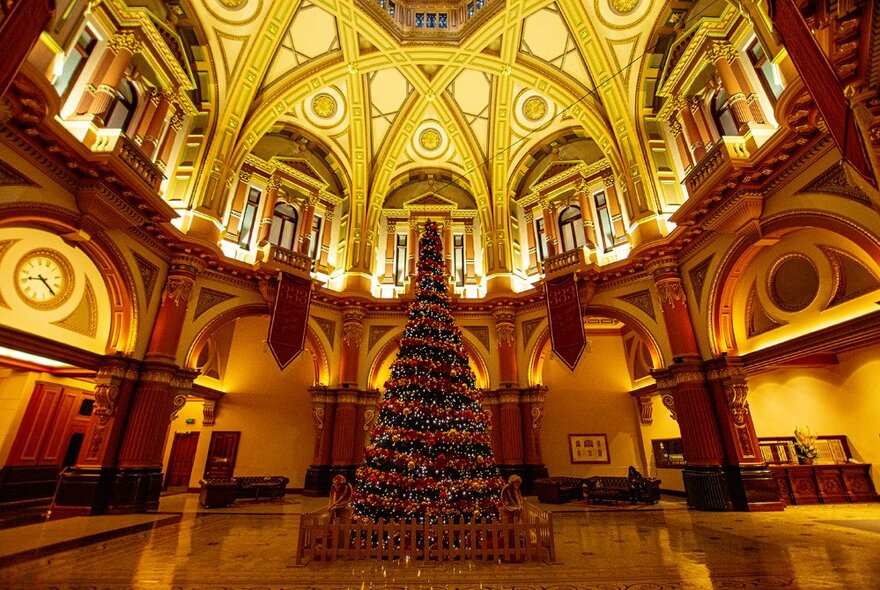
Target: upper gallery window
248	218
571	228
124	107
75	61
283	228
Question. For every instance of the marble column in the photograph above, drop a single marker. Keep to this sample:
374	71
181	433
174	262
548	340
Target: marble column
390	252
268	210
551	227
22	24
470	276
175	124
531	404
583	197
326	234
723	54
305	226
154	129
318	479
123	46
352	336
238	201
531	240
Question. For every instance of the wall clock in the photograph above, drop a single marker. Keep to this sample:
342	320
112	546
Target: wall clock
44	278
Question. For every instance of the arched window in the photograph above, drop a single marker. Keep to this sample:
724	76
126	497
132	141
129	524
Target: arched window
124	107
283	227
571	228
722	115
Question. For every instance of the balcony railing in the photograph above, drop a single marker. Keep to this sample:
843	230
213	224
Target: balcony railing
114	141
573	260
282	259
730	150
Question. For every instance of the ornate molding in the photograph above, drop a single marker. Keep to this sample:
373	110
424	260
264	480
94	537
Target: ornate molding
646	409
669	404
209	412
177	289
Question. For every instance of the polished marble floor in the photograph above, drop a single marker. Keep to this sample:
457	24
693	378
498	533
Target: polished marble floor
252	546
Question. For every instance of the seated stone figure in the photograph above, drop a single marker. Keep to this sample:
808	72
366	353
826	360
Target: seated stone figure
339	505
512	500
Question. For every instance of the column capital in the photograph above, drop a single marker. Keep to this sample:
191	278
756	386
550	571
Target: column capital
503	315
646	409
694	103
125	40
274	182
721	50
244	176
663	267
675	127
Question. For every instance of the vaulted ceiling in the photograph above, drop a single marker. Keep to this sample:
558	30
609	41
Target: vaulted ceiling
384	106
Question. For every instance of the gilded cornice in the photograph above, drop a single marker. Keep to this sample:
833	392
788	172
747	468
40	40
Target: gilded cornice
114	14
582	171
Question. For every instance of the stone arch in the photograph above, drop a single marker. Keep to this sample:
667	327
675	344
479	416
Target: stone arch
542	343
478	363
722	288
117	276
313	343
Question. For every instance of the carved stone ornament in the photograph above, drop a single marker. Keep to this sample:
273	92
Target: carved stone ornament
721	50
318	417
488	419
369	417
669	404
736	401
646	409
179	402
506	334
124	40
177	289
670	292
209	411
352	333
537	418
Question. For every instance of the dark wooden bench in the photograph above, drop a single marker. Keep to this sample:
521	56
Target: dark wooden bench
558	490
223	492
613	488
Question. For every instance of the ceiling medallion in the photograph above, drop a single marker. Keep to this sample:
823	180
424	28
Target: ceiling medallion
535	108
232	3
623	6
324	106
430	139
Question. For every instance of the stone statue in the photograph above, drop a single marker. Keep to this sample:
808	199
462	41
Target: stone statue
339	505
512	500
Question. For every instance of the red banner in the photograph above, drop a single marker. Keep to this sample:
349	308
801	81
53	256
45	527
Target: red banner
287	331
823	84
566	324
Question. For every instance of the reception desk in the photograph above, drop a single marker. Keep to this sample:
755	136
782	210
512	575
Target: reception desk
824	484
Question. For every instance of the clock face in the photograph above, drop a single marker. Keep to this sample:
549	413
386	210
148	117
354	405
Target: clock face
44	279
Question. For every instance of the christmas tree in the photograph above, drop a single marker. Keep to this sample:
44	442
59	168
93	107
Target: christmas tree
429	459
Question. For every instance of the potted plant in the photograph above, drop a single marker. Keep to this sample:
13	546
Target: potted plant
805	446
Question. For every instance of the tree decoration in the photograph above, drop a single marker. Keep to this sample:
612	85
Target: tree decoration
430	458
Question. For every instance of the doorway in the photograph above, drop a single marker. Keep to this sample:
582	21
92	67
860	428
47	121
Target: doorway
221	455
180	463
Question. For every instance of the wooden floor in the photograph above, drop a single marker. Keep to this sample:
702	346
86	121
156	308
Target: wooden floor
253	545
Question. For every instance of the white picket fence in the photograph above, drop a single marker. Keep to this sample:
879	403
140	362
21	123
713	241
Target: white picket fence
529	540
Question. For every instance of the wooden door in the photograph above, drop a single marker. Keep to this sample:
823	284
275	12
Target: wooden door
180	462
221	455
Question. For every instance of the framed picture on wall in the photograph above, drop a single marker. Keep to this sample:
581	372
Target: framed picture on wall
588	448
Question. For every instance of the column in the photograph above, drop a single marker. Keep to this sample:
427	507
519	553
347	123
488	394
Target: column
551	227
152	100
531	240
531	404
305	226
352	334
412	247
154	130
86	487
238	202
123	46
583	197
470	276
703	475
447	247
617	219
365	418
344	433
491	407
268	210
698	148
318	477
160	389
683	152
722	54
390	252
699	115
175	124
751	483
505	333
20	28
325	239
511	432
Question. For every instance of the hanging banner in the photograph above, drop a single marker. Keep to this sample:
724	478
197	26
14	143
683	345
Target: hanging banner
287	331
566	324
823	84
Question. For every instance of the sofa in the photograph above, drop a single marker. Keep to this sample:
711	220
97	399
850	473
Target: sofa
558	490
633	488
217	493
